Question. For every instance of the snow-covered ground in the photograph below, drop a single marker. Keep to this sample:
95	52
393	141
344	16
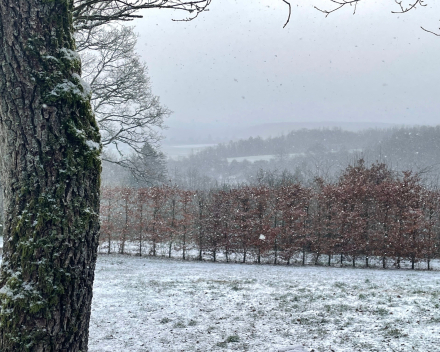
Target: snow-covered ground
180	151
153	304
162	250
254	158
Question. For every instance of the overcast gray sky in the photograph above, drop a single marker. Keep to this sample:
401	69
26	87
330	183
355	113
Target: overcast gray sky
236	65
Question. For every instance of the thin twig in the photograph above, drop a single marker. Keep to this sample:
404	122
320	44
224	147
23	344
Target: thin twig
412	5
290	11
341	4
409	8
426	30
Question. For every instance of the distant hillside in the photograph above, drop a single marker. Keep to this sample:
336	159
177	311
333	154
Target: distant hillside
218	132
300	141
308	153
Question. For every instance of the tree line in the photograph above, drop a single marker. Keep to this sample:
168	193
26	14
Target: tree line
306	154
370	213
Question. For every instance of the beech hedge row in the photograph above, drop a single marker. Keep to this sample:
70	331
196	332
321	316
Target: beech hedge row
369	213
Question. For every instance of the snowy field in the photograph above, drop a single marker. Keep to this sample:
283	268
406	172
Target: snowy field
254	158
181	151
146	304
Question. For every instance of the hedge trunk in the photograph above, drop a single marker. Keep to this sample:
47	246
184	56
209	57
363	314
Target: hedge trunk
50	168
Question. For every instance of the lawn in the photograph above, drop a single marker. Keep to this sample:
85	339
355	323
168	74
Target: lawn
146	304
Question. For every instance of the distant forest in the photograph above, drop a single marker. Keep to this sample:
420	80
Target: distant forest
305	154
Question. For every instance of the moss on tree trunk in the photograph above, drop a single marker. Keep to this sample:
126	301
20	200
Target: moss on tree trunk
50	169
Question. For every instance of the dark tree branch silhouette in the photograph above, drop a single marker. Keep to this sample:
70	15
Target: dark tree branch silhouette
290	12
402	9
90	14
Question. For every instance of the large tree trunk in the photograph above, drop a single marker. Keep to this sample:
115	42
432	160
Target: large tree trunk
50	168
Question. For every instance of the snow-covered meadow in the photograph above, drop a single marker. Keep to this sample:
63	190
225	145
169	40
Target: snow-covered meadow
154	304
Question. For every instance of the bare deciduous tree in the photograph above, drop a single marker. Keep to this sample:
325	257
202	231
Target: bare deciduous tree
128	114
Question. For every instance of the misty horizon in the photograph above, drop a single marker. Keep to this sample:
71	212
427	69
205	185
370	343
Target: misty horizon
235	67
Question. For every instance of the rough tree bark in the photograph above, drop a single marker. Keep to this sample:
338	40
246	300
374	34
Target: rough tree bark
50	169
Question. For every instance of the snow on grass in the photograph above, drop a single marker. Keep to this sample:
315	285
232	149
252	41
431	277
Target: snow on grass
152	304
267	157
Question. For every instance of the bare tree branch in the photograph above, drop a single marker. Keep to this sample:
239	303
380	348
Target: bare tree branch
90	14
290	12
411	6
340	4
403	9
426	30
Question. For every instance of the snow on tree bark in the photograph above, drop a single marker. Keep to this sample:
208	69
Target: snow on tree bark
50	169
